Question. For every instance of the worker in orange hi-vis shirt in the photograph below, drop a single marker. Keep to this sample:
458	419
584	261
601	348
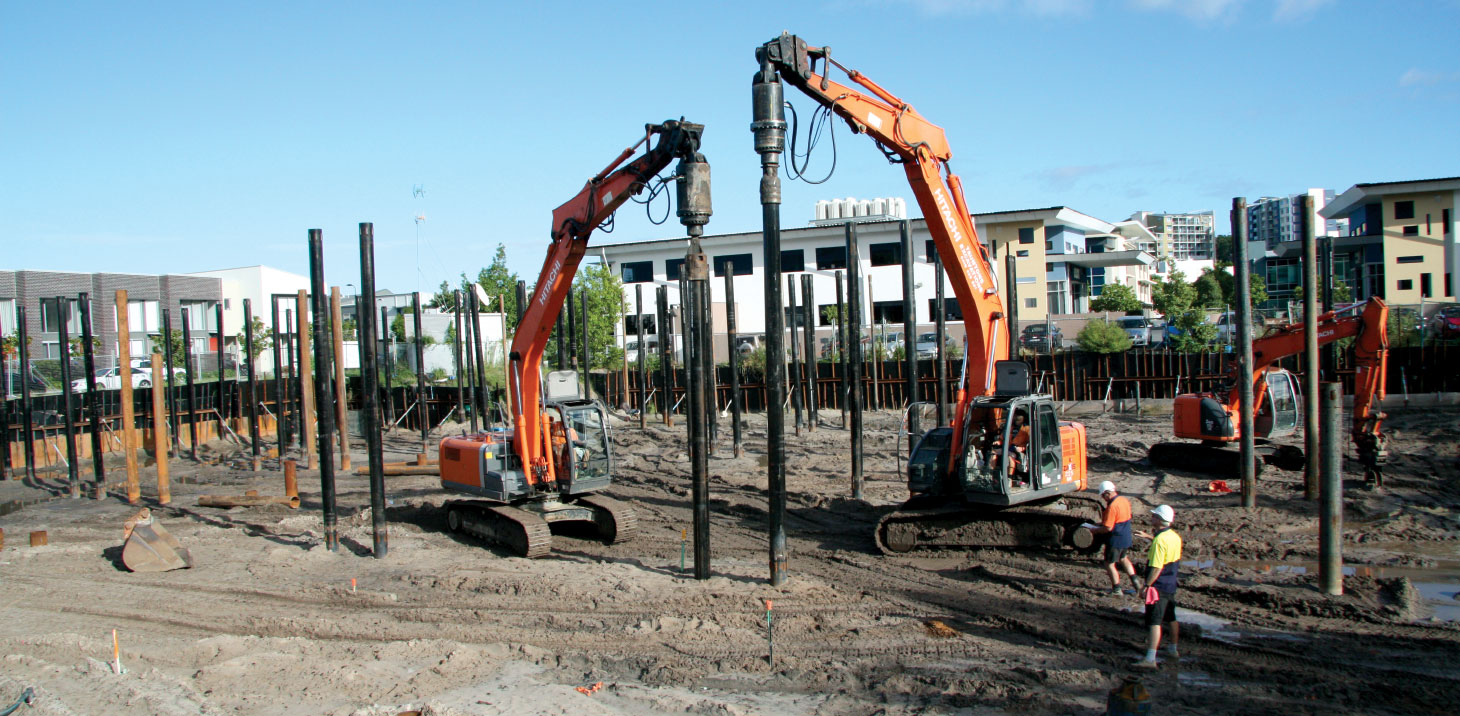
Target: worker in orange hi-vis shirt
1115	521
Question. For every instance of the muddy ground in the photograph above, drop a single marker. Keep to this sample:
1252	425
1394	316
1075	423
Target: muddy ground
267	621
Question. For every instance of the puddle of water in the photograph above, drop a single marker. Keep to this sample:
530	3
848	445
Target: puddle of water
1438	587
1213	628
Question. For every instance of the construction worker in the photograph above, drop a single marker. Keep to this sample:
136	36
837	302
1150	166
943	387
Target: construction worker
1160	593
1115	521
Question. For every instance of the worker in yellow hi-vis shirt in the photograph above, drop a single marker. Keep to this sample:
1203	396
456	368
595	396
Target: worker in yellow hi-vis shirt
1162	561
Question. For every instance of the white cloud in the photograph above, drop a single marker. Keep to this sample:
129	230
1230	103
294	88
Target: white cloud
1067	176
1416	77
1293	10
1194	9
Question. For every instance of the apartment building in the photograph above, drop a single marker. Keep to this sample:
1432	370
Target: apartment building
1401	239
1184	242
1055	270
50	297
1275	220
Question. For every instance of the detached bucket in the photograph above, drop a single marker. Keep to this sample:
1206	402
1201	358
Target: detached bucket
151	548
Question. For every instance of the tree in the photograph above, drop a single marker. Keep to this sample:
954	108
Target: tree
263	339
78	347
1172	294
1177	301
498	282
1116	297
1224	251
349	329
1208	290
1341	292
1102	336
605	307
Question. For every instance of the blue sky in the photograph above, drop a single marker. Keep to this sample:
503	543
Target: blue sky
192	136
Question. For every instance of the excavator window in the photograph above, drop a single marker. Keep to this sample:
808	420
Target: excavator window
1050	450
1284	395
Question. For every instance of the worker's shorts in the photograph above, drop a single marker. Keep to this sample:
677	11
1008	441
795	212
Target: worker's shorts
1163	611
1113	555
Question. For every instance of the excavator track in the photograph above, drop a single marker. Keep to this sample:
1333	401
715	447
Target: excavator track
1222	461
525	533
972	526
617	522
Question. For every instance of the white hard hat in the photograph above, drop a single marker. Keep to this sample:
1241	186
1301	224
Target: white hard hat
1166	514
1107	486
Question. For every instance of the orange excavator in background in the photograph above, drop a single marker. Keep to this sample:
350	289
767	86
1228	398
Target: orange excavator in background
1212	417
1005	471
553	463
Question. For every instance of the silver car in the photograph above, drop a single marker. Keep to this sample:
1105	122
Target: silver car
1137	327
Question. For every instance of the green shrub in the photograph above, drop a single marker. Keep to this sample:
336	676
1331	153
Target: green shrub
1102	336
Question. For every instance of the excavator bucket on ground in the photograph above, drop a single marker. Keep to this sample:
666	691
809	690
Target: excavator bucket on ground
150	547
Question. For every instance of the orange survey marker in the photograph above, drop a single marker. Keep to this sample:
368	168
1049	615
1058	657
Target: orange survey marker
590	689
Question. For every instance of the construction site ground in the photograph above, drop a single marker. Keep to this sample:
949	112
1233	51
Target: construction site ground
268	621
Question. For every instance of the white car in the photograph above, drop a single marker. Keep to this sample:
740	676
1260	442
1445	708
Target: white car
109	379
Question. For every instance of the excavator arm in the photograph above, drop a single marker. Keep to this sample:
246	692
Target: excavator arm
908	138
573	223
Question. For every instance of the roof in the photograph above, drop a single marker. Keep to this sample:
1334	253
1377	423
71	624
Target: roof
1345	202
1105	258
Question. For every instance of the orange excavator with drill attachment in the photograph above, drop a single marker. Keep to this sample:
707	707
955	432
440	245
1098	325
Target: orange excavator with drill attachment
553	463
1212	417
986	479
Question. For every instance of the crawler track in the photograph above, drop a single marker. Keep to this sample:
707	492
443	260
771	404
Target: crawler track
980	526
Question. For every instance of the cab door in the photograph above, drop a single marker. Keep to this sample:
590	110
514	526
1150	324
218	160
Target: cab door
1047	442
1287	410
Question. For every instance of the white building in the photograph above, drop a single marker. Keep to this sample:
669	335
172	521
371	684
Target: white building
1186	240
257	284
1054	265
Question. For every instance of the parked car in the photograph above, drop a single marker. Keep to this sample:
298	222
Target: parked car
178	372
109	379
1137	327
1041	338
12	383
1445	324
1226	328
927	345
631	348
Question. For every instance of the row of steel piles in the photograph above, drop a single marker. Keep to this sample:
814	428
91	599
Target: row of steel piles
1322	429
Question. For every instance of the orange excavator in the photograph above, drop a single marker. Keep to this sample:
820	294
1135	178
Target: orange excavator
553	463
1005	471
1212	417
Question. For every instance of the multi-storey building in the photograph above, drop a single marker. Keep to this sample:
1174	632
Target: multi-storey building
43	294
1274	220
1184	242
1055	269
1401	240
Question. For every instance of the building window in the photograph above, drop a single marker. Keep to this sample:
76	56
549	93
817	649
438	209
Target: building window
1048	268
1048	246
951	311
889	254
930	251
887	312
1026	236
826	314
1031	303
201	315
1448	292
51	316
1404	210
632	323
673	268
1374	280
1022	254
793	260
831	257
1425	287
738	264
639	271
1411	230
1445	221
142	317
1405	284
1410	260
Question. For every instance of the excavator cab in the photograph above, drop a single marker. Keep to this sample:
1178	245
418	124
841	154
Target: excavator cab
1016	452
583	453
